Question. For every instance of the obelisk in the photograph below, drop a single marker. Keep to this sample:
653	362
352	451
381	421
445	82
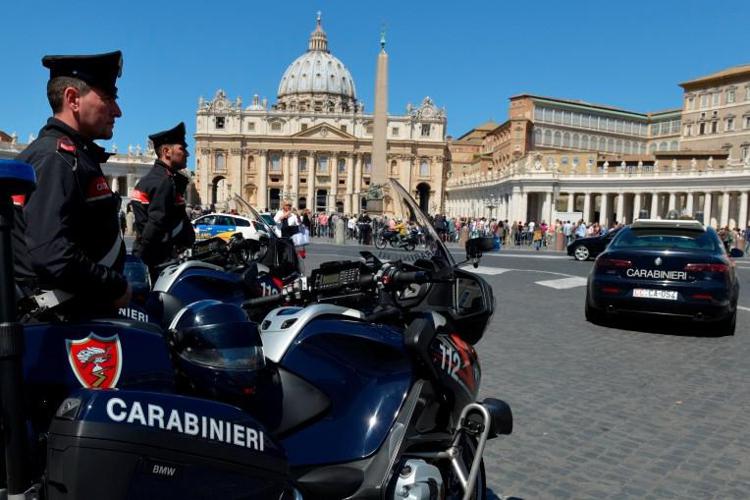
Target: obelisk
380	125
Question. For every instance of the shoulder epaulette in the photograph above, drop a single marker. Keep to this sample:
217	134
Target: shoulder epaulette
66	145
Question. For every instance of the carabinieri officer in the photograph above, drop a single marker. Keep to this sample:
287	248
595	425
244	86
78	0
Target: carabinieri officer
161	223
67	234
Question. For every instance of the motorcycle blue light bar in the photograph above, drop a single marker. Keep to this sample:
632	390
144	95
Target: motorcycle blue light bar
16	177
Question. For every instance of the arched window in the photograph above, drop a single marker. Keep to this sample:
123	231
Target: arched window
537	136
611	145
628	147
302	164
220	163
342	166
663	146
618	146
424	168
652	148
394	167
641	148
547	138
674	146
323	164
576	141
585	142
566	139
558	138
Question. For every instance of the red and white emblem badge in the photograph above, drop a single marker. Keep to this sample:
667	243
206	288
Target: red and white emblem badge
96	361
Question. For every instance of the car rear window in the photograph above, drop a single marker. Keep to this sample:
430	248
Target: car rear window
667	238
240	222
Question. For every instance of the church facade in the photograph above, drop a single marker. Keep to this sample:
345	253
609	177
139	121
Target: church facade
314	145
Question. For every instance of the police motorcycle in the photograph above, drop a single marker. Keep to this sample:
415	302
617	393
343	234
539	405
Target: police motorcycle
94	409
229	271
386	350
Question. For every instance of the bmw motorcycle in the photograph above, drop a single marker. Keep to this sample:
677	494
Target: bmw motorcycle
388	237
338	405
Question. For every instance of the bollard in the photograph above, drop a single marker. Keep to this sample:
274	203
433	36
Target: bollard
339	231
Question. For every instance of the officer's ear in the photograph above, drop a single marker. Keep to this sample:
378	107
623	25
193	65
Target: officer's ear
71	98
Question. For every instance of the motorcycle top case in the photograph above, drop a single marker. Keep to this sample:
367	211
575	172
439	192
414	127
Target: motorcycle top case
134	445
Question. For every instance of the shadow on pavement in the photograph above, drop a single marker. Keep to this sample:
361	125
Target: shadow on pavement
663	326
491	495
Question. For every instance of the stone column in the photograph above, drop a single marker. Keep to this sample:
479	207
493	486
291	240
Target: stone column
515	201
672	201
636	205
349	207
285	177
295	177
604	210
571	202
689	201
707	208
621	217
654	206
742	221
115	184
587	208
311	182
334	183
357	197
724	209
547	208
262	195
524	209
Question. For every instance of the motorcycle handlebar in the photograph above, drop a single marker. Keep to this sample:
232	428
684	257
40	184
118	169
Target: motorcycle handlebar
265	300
405	277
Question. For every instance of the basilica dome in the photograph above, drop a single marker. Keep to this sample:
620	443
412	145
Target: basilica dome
317	80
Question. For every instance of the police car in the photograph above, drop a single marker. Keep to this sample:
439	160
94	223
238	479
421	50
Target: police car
673	268
225	225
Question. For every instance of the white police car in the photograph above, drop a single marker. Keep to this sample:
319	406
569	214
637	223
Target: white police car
225	225
670	268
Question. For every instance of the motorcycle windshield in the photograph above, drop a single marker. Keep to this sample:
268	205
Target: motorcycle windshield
261	222
406	211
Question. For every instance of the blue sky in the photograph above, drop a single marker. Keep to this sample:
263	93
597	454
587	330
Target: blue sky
468	56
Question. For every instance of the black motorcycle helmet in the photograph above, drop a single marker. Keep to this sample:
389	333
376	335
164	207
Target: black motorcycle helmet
217	351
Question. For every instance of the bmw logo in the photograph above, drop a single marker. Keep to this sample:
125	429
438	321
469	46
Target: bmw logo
657	261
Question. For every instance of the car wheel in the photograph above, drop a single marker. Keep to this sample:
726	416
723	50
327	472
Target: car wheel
593	315
581	253
728	325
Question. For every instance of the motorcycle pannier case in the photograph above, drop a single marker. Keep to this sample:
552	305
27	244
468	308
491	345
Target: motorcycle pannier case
129	444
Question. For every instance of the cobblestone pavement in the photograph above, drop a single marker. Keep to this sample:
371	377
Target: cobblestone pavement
633	411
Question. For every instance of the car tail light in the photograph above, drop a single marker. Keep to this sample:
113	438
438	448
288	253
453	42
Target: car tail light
707	268
610	289
702	296
613	263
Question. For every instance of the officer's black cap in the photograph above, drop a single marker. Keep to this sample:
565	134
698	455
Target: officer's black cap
98	70
174	135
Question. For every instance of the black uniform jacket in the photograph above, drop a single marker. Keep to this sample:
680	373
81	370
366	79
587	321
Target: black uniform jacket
161	223
67	232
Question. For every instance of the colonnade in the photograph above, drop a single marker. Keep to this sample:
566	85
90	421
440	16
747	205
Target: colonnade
718	208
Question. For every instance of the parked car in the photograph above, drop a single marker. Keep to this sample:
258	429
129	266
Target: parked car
670	268
588	248
225	225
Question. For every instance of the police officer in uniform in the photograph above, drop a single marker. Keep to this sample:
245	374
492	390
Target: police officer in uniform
161	223
67	240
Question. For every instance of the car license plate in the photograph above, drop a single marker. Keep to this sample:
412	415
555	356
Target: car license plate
655	294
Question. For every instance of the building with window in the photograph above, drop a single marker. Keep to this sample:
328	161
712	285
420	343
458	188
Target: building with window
555	157
314	144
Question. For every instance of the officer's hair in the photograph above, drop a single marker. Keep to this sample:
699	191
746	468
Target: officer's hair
56	87
160	150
